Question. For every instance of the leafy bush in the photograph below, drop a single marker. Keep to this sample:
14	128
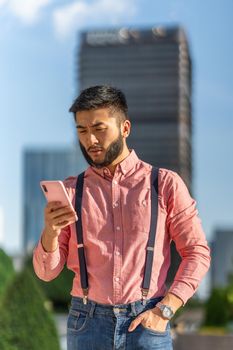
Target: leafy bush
217	308
229	292
6	271
57	290
25	323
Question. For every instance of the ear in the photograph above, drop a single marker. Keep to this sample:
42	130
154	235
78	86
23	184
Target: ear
125	128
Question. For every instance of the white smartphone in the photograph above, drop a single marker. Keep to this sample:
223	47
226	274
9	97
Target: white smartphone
55	191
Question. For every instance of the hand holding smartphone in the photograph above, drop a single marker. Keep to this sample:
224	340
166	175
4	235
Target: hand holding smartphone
59	213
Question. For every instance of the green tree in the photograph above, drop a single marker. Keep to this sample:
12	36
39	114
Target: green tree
57	290
25	323
6	271
217	308
229	291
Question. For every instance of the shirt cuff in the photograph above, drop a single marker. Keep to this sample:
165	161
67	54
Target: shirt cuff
47	258
182	291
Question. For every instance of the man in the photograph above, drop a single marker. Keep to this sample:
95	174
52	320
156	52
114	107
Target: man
115	312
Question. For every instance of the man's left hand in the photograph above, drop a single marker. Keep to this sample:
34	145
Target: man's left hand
150	319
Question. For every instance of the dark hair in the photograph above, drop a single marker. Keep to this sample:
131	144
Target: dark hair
101	96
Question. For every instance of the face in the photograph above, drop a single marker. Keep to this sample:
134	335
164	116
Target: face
101	138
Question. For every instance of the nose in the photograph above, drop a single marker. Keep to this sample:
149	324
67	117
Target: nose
92	140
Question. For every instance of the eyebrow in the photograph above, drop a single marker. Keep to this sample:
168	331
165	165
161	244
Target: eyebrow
78	126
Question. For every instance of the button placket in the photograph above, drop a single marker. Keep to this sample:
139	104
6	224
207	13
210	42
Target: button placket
117	222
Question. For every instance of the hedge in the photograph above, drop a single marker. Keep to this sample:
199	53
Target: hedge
6	271
57	290
217	308
25	323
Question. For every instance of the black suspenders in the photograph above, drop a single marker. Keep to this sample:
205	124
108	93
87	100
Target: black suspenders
79	234
151	239
150	243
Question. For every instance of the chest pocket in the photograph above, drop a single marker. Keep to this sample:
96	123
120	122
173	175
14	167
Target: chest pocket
138	212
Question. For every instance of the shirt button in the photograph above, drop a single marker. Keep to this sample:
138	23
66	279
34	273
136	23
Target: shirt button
144	203
117	279
115	182
115	205
118	228
117	253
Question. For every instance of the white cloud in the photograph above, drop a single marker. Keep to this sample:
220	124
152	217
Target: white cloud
81	14
74	15
27	11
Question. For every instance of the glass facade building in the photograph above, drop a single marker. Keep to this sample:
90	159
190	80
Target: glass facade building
43	165
222	257
153	68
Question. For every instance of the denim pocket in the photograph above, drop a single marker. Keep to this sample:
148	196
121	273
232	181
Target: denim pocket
150	330
77	320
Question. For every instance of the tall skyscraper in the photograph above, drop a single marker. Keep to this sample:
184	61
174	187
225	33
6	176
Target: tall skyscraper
43	165
153	68
222	257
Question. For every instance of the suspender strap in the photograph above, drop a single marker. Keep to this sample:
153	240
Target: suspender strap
152	234
79	233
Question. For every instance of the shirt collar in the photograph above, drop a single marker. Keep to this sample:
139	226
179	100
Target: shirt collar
124	166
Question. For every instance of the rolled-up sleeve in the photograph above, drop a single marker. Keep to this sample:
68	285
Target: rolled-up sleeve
186	231
48	265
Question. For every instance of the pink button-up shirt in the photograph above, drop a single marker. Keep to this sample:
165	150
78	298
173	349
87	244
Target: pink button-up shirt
116	223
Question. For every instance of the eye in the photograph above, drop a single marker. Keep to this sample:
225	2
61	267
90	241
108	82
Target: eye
100	129
82	131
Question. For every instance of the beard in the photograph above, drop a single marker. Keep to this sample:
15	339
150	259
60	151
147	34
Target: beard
112	152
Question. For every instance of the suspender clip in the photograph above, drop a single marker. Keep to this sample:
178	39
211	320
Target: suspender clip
85	294
144	295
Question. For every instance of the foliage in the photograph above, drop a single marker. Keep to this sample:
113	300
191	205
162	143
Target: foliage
229	293
6	271
217	308
25	324
57	290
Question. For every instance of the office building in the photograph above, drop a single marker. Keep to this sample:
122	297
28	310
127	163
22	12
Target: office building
222	257
43	165
153	68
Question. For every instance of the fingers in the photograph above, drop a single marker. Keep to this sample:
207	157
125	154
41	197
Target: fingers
136	322
61	222
58	227
53	205
149	320
65	217
58	216
55	209
61	212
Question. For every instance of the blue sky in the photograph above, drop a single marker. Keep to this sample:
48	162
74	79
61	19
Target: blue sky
38	42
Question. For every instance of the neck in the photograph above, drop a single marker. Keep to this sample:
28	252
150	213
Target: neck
118	160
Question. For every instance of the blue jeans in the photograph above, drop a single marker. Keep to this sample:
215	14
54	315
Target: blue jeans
97	326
